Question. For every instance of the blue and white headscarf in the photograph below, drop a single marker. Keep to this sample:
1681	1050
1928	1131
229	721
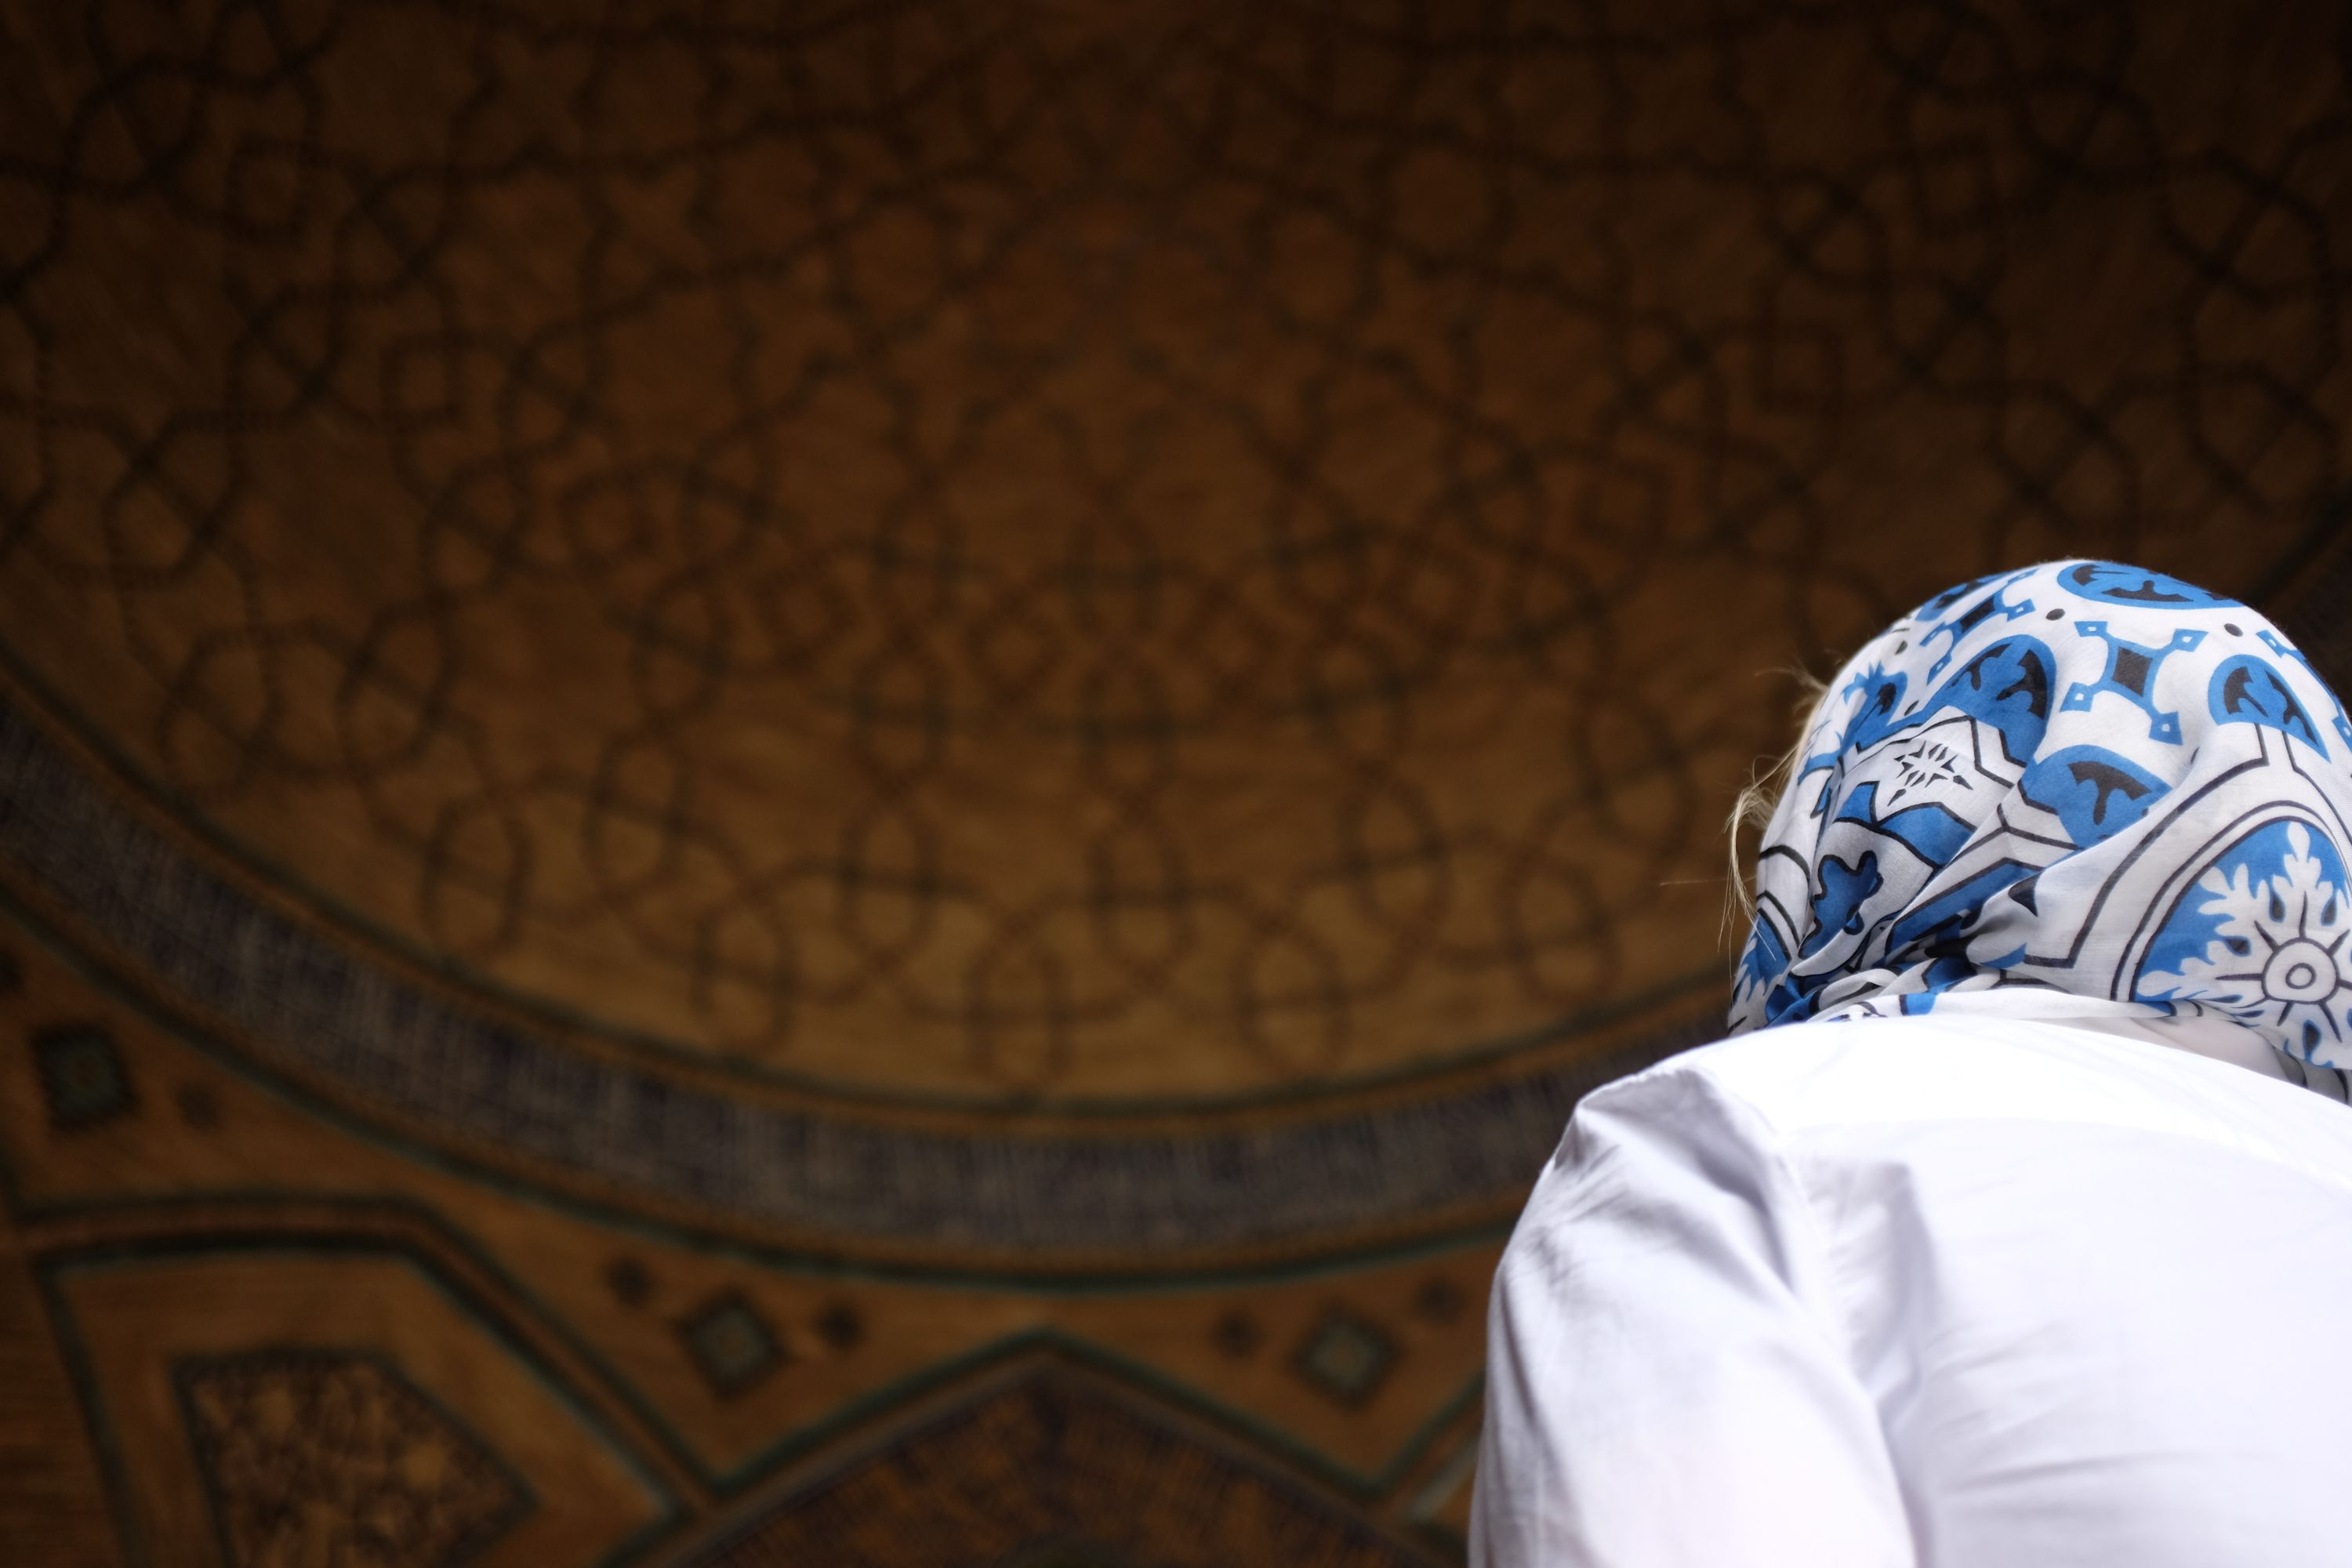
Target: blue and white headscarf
2079	778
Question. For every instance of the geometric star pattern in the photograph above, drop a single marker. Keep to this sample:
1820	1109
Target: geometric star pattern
934	554
308	1451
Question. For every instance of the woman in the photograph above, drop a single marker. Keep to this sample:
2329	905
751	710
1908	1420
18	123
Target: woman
2031	1243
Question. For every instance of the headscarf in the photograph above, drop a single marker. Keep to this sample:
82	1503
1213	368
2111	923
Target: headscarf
2079	789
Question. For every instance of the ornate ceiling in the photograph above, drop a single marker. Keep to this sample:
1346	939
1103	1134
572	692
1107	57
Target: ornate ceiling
915	724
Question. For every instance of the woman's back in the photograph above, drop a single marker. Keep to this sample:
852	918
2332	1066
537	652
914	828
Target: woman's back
1961	1292
2015	1234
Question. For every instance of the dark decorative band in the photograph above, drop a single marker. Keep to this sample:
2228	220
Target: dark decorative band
357	1026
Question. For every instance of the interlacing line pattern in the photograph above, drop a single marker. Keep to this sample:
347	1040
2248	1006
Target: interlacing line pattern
956	543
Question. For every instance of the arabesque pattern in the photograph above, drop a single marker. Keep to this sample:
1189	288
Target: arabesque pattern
782	754
941	548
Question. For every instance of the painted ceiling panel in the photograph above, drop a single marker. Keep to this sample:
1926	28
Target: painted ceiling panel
865	779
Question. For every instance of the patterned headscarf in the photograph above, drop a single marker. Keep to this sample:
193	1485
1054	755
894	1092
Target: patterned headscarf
2078	778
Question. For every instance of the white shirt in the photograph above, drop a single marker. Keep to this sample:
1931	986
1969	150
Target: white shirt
1929	1293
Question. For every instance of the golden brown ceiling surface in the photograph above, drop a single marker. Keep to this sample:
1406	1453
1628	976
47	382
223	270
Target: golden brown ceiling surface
753	753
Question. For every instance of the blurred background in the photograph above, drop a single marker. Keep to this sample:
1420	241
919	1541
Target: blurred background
859	783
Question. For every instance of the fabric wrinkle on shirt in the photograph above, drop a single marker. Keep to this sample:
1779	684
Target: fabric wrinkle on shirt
1959	1292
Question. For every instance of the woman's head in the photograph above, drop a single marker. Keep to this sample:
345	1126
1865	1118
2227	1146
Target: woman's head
2079	777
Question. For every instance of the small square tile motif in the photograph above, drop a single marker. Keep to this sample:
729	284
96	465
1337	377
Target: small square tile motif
840	1326
1236	1334
1439	1300
83	1080
731	1342
631	1282
1346	1357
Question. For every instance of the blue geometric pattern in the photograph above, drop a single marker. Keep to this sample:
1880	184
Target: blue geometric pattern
2251	690
2107	583
1933	851
2279	645
731	1342
1981	609
1345	1357
83	1080
2262	936
2131	675
2094	792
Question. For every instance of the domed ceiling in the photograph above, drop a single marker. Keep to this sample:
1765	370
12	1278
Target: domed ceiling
1007	652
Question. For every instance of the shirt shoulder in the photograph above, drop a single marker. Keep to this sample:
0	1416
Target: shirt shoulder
1798	1082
